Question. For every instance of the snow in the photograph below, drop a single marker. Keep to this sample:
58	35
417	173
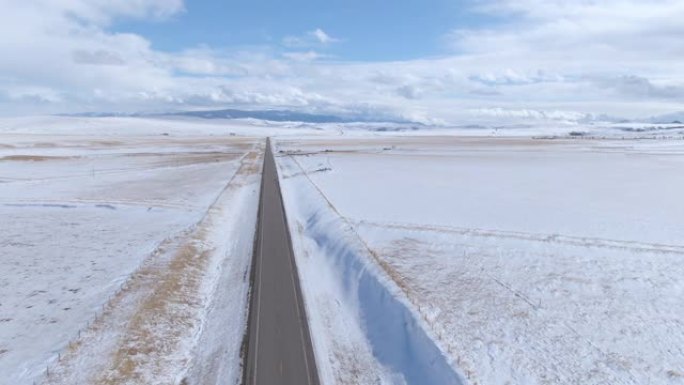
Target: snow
105	128
509	184
363	330
490	254
95	227
60	264
526	261
343	355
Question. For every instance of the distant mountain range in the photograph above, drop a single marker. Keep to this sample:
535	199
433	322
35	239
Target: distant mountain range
270	115
304	117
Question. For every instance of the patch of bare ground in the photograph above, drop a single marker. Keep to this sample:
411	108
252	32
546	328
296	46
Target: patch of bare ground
34	158
234	144
252	164
173	303
157	314
178	159
416	144
107	143
44	145
190	159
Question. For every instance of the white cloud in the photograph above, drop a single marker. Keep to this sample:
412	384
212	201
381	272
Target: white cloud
317	37
610	36
618	54
639	87
102	12
555	59
504	114
322	37
98	57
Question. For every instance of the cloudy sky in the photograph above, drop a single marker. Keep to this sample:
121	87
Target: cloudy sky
428	61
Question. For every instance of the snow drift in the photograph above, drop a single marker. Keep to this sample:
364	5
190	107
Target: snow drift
370	300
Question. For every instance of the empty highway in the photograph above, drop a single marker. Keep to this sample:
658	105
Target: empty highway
279	350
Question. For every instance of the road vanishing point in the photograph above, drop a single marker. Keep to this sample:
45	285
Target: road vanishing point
279	350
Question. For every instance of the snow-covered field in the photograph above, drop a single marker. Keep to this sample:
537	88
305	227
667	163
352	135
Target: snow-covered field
436	256
114	234
519	261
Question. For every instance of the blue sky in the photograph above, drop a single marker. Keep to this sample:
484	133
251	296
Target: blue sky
368	30
410	29
433	61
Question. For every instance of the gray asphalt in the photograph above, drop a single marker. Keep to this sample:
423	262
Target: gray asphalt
279	350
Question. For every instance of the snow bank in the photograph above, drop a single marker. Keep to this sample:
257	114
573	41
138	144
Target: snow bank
216	354
383	320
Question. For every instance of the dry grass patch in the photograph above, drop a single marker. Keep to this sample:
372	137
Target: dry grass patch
172	301
34	158
149	326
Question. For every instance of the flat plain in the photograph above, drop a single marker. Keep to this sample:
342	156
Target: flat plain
528	261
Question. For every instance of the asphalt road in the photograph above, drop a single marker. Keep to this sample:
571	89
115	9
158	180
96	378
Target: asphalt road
279	348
